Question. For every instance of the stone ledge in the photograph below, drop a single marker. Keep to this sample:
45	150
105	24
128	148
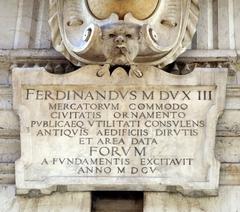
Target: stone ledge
7	173
35	55
209	56
45	55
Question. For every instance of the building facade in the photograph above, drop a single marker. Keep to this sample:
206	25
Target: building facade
25	41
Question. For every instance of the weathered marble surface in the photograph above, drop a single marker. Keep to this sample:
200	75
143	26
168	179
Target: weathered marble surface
58	202
228	200
38	171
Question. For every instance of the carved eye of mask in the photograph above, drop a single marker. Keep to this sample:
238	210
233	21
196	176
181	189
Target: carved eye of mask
111	35
141	9
129	36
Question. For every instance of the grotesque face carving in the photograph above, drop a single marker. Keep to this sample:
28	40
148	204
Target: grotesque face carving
151	32
120	43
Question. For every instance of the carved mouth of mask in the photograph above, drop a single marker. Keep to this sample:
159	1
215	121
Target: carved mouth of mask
122	49
119	51
140	9
120	55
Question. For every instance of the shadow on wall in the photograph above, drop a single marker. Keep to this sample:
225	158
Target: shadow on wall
117	201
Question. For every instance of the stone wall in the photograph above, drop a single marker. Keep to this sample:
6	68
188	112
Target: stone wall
25	41
25	25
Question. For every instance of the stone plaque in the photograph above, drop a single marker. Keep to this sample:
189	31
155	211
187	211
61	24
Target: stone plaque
118	132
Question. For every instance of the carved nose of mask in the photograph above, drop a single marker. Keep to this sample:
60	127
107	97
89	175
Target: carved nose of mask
119	40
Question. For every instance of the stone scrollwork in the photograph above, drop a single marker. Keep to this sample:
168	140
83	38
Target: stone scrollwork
133	32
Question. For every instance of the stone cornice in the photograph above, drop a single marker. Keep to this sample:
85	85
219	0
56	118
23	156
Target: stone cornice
54	62
50	55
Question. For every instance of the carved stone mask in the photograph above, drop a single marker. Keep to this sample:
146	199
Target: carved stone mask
152	32
120	42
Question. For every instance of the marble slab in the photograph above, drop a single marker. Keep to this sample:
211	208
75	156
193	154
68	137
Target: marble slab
86	131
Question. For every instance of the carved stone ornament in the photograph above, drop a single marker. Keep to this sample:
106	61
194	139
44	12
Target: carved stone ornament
133	32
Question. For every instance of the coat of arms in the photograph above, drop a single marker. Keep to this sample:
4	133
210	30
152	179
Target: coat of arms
129	32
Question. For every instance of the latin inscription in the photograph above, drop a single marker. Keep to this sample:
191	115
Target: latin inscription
118	131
